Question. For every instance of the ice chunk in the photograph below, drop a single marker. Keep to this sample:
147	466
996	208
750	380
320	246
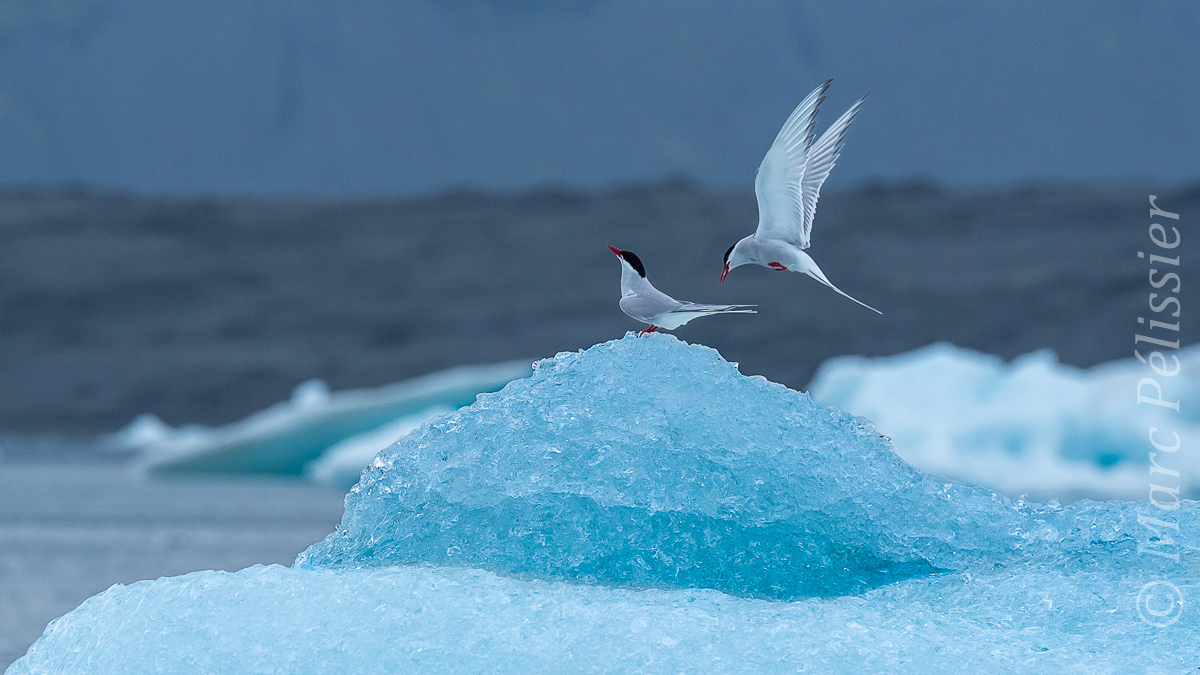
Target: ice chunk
653	462
285	437
310	395
1032	427
341	465
654	468
145	430
1036	619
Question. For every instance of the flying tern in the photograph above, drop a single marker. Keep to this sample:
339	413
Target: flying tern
787	184
642	301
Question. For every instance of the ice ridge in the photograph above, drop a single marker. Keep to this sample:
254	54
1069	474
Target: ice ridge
652	462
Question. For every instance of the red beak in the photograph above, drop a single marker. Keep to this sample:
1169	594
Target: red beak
614	249
724	272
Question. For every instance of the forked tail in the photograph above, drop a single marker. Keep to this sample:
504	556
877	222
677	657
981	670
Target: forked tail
717	309
820	276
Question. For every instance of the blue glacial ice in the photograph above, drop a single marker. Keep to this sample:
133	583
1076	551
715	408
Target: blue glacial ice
652	462
1032	427
642	506
287	437
1027	620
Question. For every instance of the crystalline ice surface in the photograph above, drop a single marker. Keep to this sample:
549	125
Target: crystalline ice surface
641	505
648	461
455	620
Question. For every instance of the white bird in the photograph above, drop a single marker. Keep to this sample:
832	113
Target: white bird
642	301
787	186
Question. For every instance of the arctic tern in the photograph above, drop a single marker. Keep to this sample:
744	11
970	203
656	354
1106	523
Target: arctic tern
787	184
645	303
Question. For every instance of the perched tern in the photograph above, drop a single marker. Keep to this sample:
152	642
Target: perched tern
642	301
787	185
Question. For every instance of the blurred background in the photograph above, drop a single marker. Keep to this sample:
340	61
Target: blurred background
233	232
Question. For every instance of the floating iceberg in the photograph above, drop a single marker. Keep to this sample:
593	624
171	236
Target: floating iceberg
1032	427
642	506
341	465
286	437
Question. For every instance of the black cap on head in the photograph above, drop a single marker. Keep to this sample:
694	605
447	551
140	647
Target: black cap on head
728	252
634	262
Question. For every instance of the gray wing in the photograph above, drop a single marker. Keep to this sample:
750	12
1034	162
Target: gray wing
648	305
777	181
790	178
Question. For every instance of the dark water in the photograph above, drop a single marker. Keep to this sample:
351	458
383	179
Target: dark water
207	310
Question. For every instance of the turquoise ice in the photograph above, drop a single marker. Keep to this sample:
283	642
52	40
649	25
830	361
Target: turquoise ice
652	462
643	505
1031	619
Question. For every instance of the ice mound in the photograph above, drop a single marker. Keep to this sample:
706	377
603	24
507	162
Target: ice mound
1032	427
1078	619
657	475
288	436
651	462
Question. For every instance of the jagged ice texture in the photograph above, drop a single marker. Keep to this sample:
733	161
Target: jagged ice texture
643	506
454	620
652	462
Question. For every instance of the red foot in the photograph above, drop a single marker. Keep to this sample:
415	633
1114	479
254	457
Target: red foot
777	266
651	329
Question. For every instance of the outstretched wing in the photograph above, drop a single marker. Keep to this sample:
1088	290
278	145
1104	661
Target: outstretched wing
777	182
790	178
821	157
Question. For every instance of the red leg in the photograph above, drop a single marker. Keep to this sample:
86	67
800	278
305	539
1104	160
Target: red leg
651	329
777	266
